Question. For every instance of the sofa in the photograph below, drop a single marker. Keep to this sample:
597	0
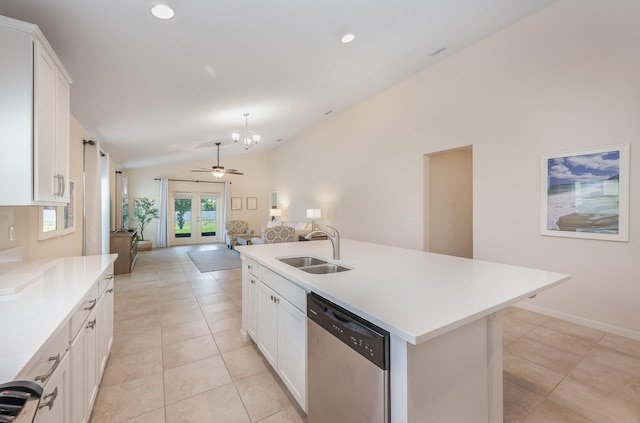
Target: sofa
232	229
275	234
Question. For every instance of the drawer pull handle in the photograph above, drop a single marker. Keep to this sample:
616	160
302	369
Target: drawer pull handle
110	290
93	304
51	397
109	277
91	324
43	378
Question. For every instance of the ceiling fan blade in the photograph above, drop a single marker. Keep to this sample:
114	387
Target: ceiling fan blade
200	170
233	172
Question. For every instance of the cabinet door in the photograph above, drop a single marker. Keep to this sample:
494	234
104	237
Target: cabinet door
91	360
77	389
54	404
62	135
252	294
46	182
267	323
292	350
105	328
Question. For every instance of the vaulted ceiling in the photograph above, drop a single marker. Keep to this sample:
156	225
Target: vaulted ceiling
164	91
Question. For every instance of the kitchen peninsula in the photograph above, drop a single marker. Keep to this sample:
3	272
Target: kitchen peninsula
444	314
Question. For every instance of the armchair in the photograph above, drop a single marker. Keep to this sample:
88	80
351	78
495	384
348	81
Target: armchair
232	229
275	234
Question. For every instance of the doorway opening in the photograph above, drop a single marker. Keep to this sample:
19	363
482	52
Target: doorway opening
195	217
448	219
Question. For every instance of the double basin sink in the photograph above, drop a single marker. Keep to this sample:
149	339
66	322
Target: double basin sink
313	265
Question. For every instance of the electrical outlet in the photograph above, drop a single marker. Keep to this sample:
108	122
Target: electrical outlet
12	233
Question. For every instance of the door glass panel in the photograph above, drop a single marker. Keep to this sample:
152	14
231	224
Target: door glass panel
207	216
182	218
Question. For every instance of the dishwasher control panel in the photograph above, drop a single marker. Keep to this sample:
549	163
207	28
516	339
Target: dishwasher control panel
369	340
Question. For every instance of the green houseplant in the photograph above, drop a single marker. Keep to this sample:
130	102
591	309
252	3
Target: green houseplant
144	211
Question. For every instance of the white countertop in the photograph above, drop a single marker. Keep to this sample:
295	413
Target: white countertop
29	317
413	294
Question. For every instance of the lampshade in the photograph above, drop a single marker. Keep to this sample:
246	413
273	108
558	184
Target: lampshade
314	214
275	212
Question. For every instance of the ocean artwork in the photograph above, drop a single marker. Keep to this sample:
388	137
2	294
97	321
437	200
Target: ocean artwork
584	195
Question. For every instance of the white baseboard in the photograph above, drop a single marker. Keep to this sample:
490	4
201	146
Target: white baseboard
581	321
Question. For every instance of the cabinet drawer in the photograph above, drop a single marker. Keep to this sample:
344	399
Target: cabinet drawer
81	313
105	280
42	366
251	266
284	287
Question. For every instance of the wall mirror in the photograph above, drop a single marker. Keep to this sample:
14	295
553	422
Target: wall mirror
274	199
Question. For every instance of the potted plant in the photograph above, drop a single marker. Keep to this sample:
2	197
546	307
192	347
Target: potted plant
144	211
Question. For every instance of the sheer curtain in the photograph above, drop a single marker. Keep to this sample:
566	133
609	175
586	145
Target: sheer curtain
163	224
92	228
226	212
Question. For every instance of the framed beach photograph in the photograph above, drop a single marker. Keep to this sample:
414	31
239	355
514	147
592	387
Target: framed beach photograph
252	203
585	193
236	203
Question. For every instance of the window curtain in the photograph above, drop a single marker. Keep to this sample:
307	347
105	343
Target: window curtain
92	226
226	216
163	225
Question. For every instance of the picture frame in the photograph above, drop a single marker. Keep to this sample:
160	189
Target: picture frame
236	203
585	193
252	203
68	223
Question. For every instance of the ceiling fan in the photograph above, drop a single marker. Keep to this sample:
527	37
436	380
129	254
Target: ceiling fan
219	171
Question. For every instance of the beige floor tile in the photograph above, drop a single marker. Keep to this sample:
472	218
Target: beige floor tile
525	315
244	362
194	378
184	331
183	294
616	360
182	304
124	345
188	351
216	298
588	334
518	402
220	322
217	405
550	412
119	403
181	315
596	405
128	327
544	355
512	329
561	341
206	288
528	375
262	395
155	416
221	307
622	344
132	366
617	381
286	415
230	340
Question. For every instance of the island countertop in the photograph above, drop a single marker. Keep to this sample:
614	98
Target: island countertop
413	294
37	311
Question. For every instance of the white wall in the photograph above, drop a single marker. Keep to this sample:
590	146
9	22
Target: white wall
253	183
565	78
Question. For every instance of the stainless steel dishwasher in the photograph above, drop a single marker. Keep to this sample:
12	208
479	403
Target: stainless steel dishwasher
348	366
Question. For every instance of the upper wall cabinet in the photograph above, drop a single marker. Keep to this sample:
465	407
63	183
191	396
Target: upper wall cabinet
34	118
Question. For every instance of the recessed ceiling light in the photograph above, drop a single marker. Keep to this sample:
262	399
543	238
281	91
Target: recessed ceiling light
347	38
162	11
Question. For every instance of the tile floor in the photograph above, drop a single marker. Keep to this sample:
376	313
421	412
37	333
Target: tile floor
178	356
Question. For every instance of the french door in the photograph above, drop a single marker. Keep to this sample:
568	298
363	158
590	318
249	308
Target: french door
195	218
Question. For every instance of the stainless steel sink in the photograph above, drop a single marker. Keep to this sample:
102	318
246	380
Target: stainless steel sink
301	261
313	265
322	269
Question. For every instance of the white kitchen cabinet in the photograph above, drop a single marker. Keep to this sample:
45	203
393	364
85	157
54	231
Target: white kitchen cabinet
292	350
105	326
267	310
56	397
34	118
250	295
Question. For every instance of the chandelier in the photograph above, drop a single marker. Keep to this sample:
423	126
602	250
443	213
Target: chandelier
250	138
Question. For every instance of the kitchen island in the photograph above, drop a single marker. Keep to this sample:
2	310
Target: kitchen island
444	314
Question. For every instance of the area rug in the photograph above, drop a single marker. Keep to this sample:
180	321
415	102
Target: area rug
212	260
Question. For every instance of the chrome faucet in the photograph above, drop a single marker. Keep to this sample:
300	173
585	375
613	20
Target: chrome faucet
334	238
